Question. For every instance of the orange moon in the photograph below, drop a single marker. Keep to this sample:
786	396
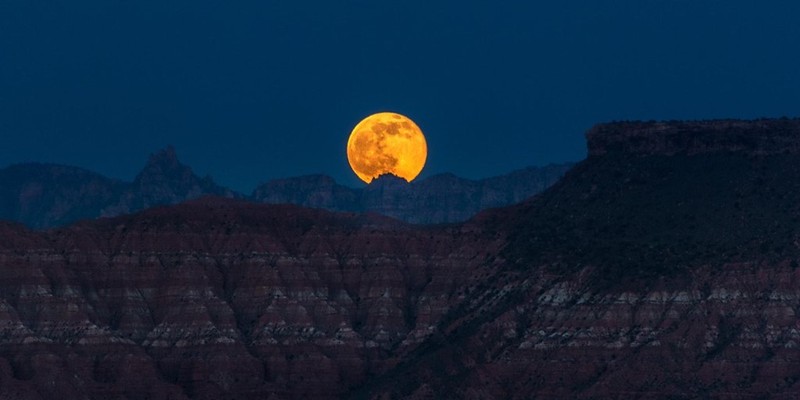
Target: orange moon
384	143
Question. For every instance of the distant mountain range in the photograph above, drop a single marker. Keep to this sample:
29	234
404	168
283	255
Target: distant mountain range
48	195
664	266
443	198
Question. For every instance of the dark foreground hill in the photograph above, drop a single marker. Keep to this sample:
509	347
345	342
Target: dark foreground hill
48	195
663	266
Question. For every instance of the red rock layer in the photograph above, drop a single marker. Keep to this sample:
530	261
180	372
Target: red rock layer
219	298
728	335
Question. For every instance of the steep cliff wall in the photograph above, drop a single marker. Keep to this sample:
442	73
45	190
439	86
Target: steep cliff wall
754	137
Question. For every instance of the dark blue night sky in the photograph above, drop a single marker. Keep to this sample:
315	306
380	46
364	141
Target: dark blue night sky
249	91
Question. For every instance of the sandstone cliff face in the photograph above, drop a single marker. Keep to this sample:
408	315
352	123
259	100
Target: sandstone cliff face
728	332
641	274
220	298
443	198
759	137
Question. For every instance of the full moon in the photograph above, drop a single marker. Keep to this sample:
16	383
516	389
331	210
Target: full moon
384	143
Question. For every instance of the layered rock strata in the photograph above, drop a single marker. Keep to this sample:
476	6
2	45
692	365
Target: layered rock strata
222	298
642	274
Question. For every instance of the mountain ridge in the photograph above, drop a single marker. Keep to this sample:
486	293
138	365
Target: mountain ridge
440	198
636	275
51	195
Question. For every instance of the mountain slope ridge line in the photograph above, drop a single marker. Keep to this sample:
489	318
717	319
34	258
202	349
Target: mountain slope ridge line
50	195
638	273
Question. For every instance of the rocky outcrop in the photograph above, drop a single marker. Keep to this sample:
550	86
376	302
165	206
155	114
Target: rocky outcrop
164	180
755	137
443	198
729	331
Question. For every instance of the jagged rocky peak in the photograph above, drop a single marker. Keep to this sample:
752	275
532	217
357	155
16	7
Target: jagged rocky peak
164	180
164	169
164	164
755	137
165	156
388	179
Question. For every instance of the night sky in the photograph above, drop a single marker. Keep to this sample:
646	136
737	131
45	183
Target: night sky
250	91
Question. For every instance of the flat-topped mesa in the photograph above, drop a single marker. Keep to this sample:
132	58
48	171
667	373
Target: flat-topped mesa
755	137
